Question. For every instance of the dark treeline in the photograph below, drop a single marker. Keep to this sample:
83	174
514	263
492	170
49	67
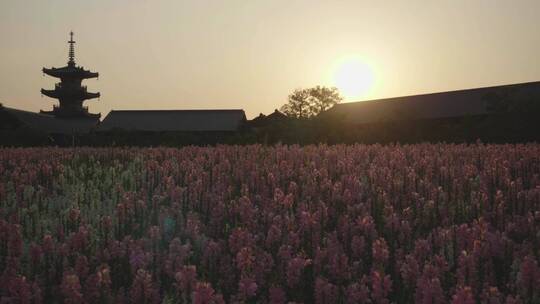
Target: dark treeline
504	127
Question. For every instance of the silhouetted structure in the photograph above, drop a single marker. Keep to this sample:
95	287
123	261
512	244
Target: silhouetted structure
15	119
508	113
174	120
170	127
265	120
442	105
69	91
25	128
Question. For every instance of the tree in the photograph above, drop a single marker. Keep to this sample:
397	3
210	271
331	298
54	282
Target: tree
298	105
305	103
323	98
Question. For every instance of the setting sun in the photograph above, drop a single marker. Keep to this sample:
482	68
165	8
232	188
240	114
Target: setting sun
353	78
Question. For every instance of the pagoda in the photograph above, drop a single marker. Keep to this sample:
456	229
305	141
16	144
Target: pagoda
69	91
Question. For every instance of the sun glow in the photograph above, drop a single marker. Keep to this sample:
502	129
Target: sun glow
353	77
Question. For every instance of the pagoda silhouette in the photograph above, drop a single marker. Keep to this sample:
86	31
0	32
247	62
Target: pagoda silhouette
69	91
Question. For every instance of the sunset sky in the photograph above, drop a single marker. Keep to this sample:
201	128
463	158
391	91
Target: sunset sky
251	54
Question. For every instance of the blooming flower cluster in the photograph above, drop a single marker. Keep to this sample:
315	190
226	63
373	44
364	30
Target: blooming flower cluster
427	223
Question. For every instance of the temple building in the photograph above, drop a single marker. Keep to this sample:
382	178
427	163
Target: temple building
183	121
476	102
69	91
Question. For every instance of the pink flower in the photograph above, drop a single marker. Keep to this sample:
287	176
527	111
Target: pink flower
358	244
276	295
18	290
106	222
137	259
79	240
410	270
511	300
104	275
36	253
247	287
205	294
154	233
240	238
245	259
81	266
357	293
92	290
463	295
295	266
47	244
380	287
142	289
428	287
71	288
278	195
74	215
288	201
528	278
273	236
491	295
380	252
15	241
325	292
186	279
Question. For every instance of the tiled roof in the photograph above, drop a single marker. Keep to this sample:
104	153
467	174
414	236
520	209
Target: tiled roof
48	123
174	120
263	120
430	106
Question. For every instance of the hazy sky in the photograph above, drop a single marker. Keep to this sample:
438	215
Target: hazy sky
251	54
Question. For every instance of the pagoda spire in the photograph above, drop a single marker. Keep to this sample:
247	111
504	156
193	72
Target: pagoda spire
71	42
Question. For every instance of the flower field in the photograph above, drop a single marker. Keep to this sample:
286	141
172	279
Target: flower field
428	223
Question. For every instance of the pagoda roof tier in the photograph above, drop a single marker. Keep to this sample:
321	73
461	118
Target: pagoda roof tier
60	113
70	71
72	94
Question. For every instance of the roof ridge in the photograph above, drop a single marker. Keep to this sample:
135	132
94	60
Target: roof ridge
183	110
25	111
441	92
